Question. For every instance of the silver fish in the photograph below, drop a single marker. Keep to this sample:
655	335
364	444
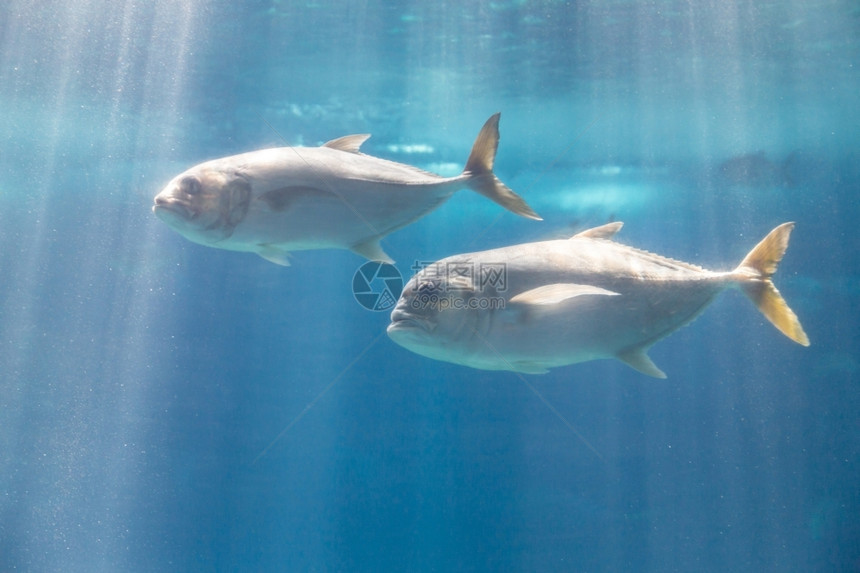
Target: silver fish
274	201
535	306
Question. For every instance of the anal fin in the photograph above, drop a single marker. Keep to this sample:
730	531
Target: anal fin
529	367
638	359
372	250
275	255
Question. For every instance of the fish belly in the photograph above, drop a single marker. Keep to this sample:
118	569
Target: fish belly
353	214
589	328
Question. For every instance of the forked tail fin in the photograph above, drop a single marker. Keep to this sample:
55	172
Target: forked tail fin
479	169
754	277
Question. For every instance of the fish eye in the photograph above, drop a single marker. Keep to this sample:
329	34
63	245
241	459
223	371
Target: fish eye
190	185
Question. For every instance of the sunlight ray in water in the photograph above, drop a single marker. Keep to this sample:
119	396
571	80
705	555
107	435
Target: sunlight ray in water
82	95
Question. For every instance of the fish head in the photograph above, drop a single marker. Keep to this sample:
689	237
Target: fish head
439	318
204	205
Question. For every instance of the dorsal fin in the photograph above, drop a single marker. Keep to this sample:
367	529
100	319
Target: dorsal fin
348	143
606	231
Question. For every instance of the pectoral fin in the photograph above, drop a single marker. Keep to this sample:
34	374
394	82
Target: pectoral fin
556	293
372	250
638	359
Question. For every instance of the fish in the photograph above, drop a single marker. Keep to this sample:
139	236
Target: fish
535	306
275	201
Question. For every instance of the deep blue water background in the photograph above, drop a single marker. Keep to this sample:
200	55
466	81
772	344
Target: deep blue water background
170	407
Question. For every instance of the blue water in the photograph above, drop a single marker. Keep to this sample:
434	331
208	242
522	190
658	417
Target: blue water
170	407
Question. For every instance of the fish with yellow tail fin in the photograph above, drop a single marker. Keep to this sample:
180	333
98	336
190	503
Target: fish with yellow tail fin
276	201
531	307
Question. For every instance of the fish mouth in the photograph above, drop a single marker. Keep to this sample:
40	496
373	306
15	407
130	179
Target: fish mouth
402	320
164	205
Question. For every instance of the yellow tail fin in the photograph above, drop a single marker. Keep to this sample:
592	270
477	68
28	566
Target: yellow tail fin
479	167
753	275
